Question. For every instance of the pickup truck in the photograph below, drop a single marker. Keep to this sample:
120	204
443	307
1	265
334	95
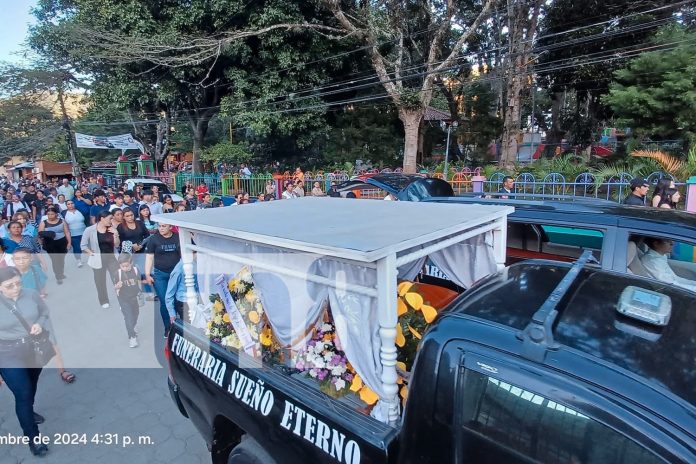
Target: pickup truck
542	362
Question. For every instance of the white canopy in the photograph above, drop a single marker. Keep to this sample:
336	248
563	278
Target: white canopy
304	252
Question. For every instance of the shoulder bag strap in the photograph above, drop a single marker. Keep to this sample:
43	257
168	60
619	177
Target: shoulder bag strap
20	318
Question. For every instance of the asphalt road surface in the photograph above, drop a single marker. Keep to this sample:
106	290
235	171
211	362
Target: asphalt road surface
118	410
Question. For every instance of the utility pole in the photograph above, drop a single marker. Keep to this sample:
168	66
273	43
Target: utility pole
68	132
449	125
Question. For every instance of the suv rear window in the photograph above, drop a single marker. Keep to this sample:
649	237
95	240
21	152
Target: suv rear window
559	243
498	422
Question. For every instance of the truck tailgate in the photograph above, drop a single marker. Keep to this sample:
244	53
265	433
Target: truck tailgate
283	414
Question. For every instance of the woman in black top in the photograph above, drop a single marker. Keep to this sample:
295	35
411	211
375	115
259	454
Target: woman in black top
133	235
56	240
168	204
17	368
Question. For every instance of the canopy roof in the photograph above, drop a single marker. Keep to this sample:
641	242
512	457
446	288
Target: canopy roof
361	230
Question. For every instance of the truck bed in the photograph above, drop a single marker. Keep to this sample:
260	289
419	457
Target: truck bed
290	418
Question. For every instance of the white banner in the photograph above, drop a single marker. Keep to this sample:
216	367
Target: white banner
110	142
235	316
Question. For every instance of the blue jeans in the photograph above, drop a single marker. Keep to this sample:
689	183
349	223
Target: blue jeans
22	383
161	279
75	243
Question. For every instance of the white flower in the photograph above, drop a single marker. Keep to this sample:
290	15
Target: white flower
312	373
319	363
340	384
245	276
326	327
328	356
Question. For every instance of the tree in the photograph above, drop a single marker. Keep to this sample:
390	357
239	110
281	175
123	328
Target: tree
655	94
26	127
522	24
44	82
448	27
228	152
187	52
583	44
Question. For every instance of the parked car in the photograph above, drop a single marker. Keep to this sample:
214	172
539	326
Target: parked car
561	230
405	187
149	183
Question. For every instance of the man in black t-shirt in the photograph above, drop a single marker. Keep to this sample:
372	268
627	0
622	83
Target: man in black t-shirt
162	255
639	189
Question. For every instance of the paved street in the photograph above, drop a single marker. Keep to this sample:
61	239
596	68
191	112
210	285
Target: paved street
129	398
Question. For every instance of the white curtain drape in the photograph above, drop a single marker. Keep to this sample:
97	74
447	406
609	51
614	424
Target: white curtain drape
466	262
294	305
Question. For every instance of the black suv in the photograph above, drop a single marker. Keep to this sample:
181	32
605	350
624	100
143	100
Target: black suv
561	230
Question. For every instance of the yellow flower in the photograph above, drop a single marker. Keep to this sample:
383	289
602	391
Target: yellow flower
401	307
415	300
357	383
266	337
210	324
404	287
429	313
232	284
226	318
250	296
254	317
218	306
239	287
404	395
414	332
217	319
368	396
400	339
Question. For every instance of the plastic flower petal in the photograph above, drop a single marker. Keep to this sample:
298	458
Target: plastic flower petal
401	307
368	396
404	287
356	384
414	332
429	313
400	339
415	300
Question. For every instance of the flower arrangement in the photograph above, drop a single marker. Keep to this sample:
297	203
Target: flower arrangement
322	359
220	328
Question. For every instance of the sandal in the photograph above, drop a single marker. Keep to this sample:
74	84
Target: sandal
67	376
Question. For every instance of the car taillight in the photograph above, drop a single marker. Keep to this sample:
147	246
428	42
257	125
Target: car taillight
167	356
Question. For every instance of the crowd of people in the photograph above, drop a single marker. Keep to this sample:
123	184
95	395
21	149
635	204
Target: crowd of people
109	230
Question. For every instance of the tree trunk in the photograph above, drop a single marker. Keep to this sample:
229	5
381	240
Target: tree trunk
412	121
511	123
522	22
200	128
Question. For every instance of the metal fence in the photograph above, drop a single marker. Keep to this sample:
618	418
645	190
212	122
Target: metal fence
585	184
615	188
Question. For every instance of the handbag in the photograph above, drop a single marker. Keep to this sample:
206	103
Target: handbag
42	350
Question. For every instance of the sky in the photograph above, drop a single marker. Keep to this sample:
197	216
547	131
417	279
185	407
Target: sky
14	25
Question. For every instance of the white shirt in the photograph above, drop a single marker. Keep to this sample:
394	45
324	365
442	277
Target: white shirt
76	222
155	207
658	266
67	190
288	195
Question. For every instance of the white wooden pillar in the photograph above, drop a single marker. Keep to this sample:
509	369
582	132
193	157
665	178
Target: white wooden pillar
500	242
185	240
386	303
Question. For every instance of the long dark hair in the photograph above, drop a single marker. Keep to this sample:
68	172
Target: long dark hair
666	198
662	186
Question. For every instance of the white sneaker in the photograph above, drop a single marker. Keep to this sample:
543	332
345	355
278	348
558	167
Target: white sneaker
133	342
105	306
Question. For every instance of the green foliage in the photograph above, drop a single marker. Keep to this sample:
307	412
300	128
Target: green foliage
27	127
656	93
479	125
226	152
369	134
